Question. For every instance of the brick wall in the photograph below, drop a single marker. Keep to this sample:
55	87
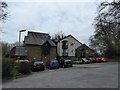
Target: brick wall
88	52
50	56
35	52
53	53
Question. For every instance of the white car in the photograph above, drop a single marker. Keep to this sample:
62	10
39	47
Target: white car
86	61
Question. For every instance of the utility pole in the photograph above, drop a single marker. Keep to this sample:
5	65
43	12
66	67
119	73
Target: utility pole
19	41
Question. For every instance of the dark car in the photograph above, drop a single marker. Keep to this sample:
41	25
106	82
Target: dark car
52	64
85	61
37	65
77	62
66	63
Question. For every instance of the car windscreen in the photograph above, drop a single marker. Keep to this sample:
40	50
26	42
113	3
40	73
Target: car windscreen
38	62
84	59
54	61
68	61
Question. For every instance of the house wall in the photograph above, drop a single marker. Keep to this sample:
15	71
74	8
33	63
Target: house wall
12	52
71	48
53	52
88	52
35	52
50	56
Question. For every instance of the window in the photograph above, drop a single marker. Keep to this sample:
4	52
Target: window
72	50
65	44
72	44
46	49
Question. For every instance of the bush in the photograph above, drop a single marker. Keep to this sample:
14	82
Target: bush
10	69
24	68
14	71
7	65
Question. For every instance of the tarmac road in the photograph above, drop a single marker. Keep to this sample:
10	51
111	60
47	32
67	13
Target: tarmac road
97	75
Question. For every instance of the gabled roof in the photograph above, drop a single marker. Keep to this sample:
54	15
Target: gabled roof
84	45
20	51
51	42
72	37
36	38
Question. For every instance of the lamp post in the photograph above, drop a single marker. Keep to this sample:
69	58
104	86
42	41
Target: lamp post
19	40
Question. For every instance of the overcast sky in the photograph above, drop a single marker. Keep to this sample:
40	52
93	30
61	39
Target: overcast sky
75	18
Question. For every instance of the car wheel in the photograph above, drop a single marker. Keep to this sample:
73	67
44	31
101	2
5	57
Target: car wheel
49	67
43	69
62	66
33	70
65	66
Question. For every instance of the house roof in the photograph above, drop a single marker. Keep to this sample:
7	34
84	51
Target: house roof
51	42
70	36
36	38
20	51
84	45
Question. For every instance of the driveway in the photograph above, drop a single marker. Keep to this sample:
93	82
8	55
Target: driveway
95	75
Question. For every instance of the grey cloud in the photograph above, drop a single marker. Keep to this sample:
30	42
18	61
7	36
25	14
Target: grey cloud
71	18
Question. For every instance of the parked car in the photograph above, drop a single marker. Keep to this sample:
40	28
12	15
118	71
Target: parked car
37	65
52	64
92	60
23	67
20	61
66	63
85	61
99	60
77	62
104	59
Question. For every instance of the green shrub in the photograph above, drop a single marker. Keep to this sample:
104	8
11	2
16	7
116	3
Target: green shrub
7	65
24	68
14	71
11	69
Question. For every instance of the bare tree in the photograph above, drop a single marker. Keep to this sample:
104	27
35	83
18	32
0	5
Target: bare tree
107	29
3	13
58	36
5	48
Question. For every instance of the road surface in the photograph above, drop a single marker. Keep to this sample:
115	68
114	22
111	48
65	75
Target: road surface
95	75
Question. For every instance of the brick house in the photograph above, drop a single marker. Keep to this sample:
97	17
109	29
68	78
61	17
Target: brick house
84	52
40	46
20	52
